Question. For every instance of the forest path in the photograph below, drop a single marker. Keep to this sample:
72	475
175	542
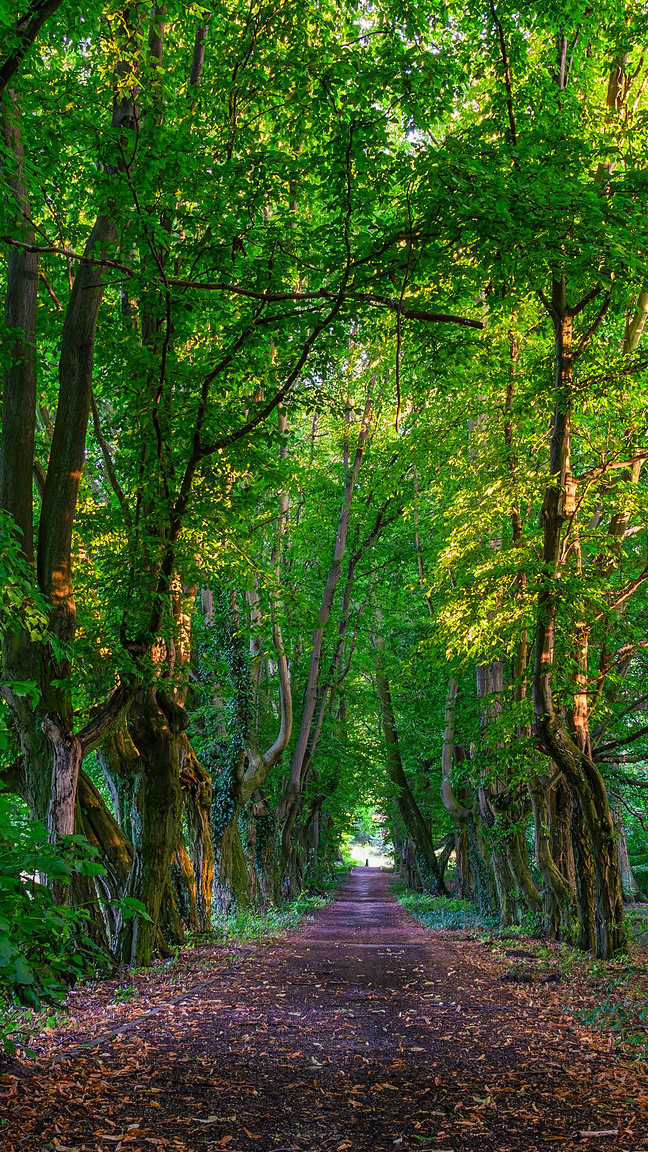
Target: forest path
362	1032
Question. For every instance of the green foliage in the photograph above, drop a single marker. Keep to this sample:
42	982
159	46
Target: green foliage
22	604
367	829
624	1016
19	1024
126	993
44	946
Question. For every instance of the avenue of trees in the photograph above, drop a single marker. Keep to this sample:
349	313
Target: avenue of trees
322	476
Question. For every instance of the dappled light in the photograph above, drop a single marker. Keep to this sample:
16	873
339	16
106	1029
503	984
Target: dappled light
324	576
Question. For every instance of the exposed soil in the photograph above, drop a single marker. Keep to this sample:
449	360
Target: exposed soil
362	1032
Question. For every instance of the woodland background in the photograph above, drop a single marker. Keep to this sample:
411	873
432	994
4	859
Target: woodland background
322	463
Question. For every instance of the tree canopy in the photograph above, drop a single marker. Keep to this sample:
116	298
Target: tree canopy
322	461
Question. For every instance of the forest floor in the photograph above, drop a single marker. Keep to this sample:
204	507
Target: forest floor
361	1032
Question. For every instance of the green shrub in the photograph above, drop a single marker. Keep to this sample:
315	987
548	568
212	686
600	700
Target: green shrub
44	947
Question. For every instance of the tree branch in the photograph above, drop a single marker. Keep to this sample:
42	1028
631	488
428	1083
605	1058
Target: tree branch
107	458
24	33
97	727
254	294
507	74
620	742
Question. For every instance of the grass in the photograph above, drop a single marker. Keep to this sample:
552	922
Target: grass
246	925
443	911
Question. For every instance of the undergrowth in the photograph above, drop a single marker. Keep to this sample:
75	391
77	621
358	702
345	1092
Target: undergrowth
245	924
620	989
627	1019
19	1023
443	911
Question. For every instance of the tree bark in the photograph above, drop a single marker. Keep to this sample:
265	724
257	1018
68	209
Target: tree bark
558	909
632	893
197	792
413	820
156	726
19	394
570	751
290	805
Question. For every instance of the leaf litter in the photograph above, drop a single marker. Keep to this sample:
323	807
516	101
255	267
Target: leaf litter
362	1032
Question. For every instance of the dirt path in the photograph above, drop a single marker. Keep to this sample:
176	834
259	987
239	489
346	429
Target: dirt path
362	1032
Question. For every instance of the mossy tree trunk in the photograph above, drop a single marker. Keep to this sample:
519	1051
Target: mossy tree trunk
600	905
558	896
632	893
156	726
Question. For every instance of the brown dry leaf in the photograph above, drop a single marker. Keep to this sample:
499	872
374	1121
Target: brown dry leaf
577	1069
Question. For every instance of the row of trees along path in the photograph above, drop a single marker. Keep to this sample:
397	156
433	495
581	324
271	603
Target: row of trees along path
361	1031
323	403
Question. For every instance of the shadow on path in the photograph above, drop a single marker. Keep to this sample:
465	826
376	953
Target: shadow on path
362	1032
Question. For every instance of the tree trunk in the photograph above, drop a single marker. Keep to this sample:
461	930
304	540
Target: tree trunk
19	394
233	888
632	893
496	856
558	909
570	751
518	861
290	804
183	893
415	824
51	752
156	727
98	825
197	791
